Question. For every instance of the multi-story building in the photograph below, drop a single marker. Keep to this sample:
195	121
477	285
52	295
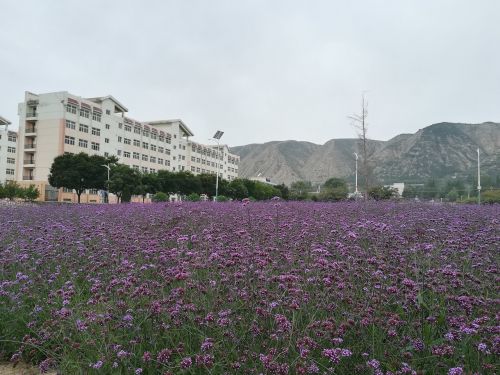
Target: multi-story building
56	123
8	150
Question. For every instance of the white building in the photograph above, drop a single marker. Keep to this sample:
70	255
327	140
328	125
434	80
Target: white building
55	123
8	151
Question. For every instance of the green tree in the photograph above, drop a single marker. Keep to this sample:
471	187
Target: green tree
148	184
123	181
382	192
11	190
30	193
299	190
79	172
238	189
160	197
285	192
334	189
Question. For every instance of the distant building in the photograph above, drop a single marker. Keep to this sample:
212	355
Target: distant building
8	152
52	124
263	179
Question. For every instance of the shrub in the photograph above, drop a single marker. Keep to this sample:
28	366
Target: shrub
193	197
222	198
160	197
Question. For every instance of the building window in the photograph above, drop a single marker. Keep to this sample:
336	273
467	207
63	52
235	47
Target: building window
96	131
11	138
136	167
161	138
106	154
126	141
175	147
167	151
145	169
108	127
128	128
183	157
153	136
106	140
153	148
167	163
83	128
96	116
69	140
136	155
152	170
144	157
11	161
83	143
193	169
152	159
119	152
108	112
137	143
84	112
160	161
160	149
137	130
145	145
145	133
70	108
95	146
120	125
193	159
70	124
9	171
126	154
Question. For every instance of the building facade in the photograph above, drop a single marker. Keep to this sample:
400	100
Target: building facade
8	152
56	123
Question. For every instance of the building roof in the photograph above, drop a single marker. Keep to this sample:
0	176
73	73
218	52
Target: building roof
118	105
4	121
182	125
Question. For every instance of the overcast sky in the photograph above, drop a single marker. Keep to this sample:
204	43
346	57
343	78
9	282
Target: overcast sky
261	70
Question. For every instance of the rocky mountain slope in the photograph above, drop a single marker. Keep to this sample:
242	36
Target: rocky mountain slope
439	150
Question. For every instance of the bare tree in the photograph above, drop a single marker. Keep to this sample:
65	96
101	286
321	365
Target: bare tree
359	121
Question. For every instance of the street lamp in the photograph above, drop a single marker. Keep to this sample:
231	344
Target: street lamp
108	167
216	138
478	179
356	190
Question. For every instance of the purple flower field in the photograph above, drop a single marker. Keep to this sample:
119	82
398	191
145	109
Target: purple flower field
251	288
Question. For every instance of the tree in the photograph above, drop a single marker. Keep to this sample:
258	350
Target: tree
148	184
11	190
285	192
79	172
160	197
300	189
237	189
123	181
360	123
334	189
382	192
30	193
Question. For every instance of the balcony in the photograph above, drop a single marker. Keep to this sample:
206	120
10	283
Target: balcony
29	162
29	146
31	130
28	178
31	114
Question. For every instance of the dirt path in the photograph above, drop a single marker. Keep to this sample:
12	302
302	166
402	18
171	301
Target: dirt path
20	369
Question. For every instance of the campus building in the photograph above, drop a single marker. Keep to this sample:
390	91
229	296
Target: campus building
8	151
56	123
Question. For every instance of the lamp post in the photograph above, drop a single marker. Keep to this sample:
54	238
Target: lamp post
478	179
356	189
107	166
216	138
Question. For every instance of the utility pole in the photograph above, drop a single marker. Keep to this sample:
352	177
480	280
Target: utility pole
478	179
217	138
356	189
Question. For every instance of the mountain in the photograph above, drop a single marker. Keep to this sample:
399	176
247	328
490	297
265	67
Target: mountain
436	151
